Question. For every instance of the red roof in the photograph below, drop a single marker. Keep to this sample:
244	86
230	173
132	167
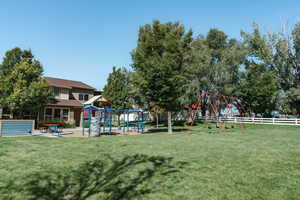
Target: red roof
63	83
65	102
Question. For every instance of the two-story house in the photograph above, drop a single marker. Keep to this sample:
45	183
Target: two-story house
69	98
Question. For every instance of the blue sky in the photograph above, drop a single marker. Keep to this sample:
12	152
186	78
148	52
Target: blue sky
83	39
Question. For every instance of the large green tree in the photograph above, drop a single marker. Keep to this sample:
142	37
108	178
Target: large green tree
22	87
259	89
280	53
117	90
214	67
160	59
292	79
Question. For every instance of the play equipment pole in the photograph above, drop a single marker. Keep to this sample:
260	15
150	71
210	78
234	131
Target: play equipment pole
101	124
105	120
124	126
89	122
127	125
142	122
110	122
83	123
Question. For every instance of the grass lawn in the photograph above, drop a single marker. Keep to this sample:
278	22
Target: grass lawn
260	162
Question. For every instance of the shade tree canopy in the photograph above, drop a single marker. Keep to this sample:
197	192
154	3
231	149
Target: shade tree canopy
160	60
22	87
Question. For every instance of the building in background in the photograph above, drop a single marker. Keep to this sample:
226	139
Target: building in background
69	98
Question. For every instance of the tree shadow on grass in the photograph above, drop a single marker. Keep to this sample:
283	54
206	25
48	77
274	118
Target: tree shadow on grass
111	179
165	130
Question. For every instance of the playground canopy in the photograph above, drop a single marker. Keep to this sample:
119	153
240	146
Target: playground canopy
99	99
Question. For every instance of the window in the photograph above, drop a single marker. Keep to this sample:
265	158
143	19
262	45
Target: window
65	115
80	97
57	114
56	92
48	114
29	115
86	97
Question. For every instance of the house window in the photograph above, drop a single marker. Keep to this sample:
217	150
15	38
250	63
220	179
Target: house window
57	114
65	115
48	114
80	97
86	97
56	92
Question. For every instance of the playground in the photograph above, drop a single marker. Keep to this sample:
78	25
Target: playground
100	121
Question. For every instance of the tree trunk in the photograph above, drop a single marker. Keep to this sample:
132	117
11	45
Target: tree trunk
156	120
203	112
119	123
170	122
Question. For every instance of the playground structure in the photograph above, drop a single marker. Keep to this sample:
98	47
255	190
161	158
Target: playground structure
100	121
216	105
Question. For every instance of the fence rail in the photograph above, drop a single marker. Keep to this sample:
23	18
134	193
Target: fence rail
273	121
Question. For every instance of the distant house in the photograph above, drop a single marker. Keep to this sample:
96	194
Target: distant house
69	98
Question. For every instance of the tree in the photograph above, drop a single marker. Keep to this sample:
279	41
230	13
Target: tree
117	90
279	52
160	60
258	89
214	68
293	80
22	87
156	110
136	96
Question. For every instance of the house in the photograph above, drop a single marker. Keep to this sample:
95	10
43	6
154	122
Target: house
69	99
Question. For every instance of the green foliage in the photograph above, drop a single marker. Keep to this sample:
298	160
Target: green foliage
215	65
117	89
136	95
277	52
22	87
155	111
160	60
259	89
294	96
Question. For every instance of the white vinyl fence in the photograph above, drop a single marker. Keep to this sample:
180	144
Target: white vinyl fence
253	120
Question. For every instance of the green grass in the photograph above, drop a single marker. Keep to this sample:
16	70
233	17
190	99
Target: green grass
260	162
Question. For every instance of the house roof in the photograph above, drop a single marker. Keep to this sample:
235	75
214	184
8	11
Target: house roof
63	83
65	102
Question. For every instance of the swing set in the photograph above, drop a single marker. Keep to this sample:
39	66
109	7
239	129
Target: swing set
215	104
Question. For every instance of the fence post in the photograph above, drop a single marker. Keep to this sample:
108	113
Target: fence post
273	121
235	120
296	121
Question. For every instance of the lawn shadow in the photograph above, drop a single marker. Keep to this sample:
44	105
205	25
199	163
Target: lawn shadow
164	130
111	179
